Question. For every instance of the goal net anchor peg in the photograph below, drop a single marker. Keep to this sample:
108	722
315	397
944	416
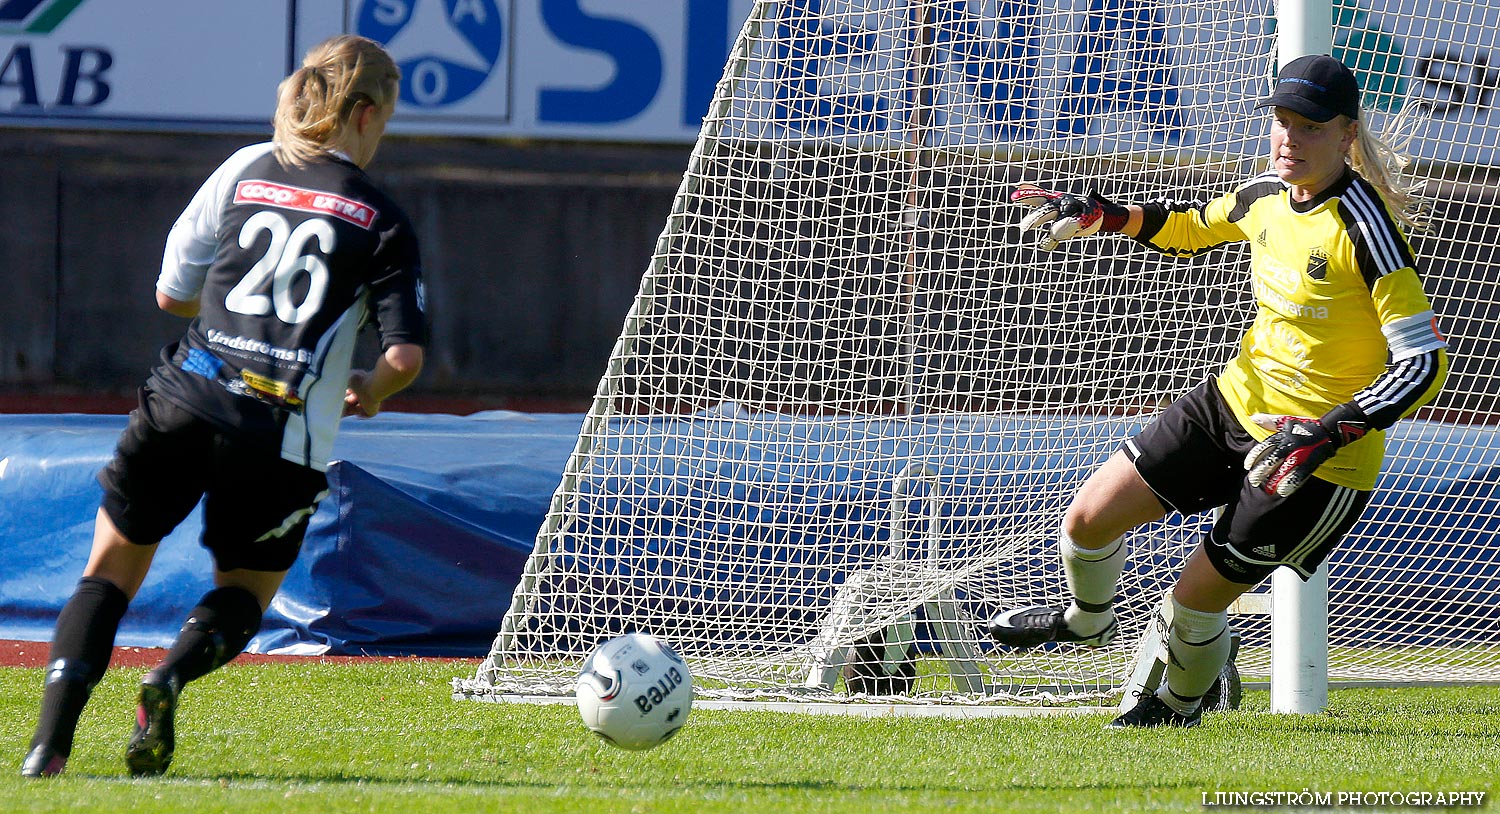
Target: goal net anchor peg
832	650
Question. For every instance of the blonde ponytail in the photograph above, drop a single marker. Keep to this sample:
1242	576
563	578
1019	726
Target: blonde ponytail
314	104
1382	160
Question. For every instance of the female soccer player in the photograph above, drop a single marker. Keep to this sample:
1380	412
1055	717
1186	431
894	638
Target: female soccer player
281	255
1343	345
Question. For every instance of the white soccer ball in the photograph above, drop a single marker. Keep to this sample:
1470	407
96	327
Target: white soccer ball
635	691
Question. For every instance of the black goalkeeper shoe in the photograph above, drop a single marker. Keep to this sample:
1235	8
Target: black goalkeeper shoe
43	761
1039	624
1151	712
153	740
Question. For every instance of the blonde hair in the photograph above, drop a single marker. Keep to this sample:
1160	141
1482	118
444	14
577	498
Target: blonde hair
315	104
1382	160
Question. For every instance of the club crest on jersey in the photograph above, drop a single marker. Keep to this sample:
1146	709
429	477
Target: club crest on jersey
1317	264
304	200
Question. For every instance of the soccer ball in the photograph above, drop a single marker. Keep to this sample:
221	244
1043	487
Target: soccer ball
635	691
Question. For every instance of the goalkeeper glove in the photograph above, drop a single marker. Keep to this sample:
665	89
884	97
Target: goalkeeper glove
1066	215
1282	463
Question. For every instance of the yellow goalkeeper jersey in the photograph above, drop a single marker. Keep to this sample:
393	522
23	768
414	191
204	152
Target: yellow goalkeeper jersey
1340	308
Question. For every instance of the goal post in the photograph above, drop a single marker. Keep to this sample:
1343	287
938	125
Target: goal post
1299	610
851	400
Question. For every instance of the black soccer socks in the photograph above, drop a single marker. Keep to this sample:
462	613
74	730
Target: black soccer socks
78	657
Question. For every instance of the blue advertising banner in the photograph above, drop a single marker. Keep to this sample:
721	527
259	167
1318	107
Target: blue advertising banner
999	72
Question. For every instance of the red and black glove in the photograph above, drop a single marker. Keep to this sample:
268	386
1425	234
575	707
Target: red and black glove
1282	463
1066	215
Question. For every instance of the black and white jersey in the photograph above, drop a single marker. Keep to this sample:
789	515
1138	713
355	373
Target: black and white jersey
287	264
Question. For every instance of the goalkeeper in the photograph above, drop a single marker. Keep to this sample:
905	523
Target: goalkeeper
1288	438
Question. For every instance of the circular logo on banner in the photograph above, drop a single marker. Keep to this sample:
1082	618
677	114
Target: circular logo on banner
445	48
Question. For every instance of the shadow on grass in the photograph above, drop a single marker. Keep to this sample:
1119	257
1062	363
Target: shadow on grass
1324	725
614	784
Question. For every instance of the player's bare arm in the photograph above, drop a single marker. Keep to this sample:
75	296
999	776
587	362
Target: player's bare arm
178	308
398	367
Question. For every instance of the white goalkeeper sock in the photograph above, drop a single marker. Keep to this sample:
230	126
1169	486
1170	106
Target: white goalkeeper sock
1197	649
1092	575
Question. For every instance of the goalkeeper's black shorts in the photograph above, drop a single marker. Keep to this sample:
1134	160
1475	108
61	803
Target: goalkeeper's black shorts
1193	457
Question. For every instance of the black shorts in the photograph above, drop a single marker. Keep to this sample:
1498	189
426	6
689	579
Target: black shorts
1193	457
256	505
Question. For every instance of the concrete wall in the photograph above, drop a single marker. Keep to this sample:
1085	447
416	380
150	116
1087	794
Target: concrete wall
533	253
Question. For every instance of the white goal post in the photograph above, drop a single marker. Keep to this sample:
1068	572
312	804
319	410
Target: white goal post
851	400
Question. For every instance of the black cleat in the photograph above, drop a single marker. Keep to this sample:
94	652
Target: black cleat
1039	624
43	761
149	751
1152	712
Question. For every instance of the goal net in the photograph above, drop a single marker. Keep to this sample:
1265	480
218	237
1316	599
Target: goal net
851	400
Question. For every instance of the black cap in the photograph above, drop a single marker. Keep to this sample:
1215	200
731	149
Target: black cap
1316	86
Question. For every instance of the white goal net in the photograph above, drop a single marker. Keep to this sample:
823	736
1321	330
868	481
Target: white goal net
852	398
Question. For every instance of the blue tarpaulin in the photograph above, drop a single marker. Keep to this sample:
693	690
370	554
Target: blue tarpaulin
430	519
416	550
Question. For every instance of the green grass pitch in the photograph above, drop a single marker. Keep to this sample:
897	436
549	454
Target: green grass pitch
386	736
